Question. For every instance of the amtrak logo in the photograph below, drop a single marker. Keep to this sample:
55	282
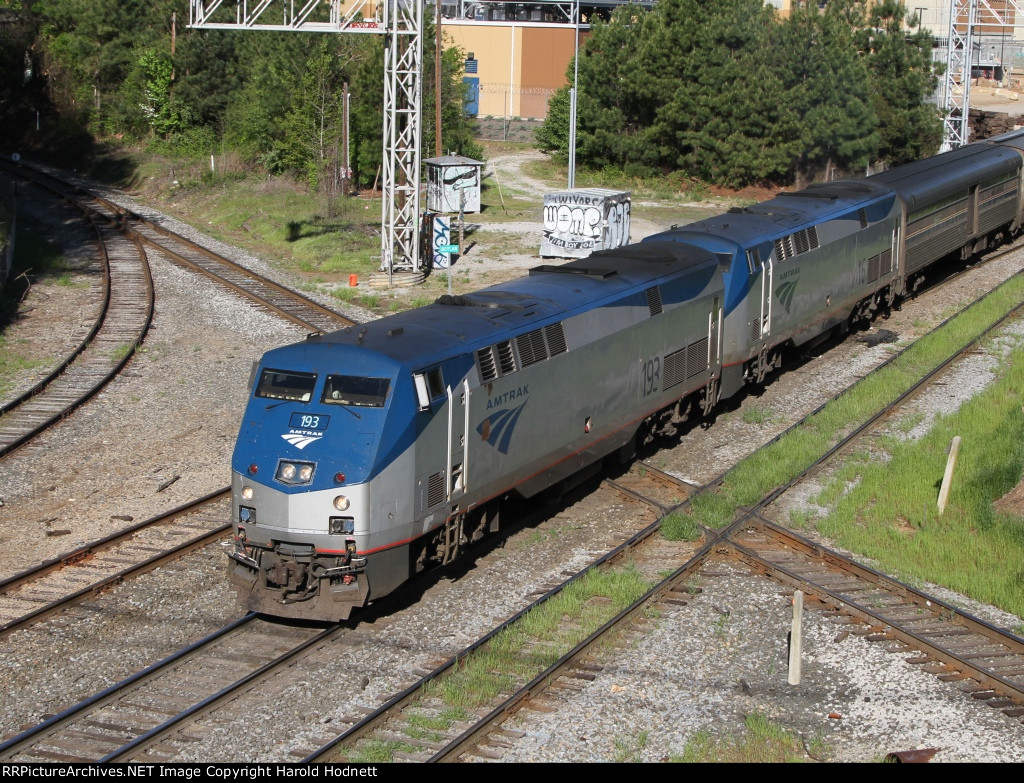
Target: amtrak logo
785	292
497	428
302	439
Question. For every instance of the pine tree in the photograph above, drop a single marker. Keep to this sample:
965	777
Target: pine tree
902	76
827	86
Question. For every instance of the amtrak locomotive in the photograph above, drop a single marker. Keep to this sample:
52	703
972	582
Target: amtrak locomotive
368	454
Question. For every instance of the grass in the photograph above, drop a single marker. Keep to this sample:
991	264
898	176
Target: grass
762	742
12	361
520	652
756	415
36	260
885	509
121	352
323	241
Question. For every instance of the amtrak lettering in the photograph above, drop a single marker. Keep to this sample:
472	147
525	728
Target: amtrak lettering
302	438
508	396
786	289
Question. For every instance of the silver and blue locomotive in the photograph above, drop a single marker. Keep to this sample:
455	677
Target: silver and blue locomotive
368	454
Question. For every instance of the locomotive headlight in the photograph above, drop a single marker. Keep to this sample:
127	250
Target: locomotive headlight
341	503
247	493
294	472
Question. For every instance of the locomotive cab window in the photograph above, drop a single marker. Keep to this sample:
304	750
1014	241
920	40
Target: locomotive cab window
285	385
354	390
429	386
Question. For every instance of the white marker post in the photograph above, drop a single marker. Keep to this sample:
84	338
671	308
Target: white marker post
947	477
796	641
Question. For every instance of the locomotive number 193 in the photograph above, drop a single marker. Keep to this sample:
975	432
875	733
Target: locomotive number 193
651	376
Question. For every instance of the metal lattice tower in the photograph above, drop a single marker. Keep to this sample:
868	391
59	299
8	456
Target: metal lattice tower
401	24
971	21
957	80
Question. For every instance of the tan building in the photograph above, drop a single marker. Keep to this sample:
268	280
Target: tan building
518	65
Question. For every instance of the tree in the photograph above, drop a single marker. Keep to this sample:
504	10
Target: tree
725	129
553	134
89	50
684	87
827	85
312	127
457	128
902	77
616	103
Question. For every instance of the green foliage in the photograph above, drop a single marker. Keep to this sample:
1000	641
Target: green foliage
156	73
274	97
188	144
312	127
553	135
762	741
728	93
456	128
902	75
888	510
679	526
890	514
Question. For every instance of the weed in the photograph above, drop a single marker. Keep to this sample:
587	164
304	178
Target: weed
13	361
722	625
762	741
756	415
801	518
627	751
122	352
680	526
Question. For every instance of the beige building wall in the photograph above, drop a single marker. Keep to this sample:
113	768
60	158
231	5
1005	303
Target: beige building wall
519	65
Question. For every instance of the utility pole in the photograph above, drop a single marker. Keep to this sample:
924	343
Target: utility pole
437	82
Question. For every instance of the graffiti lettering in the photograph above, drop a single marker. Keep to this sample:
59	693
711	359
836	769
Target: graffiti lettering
442	236
579	222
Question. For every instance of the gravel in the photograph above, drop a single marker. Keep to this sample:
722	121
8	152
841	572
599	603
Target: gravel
175	412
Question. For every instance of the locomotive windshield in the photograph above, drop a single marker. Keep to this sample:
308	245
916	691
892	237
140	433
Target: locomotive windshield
353	390
285	385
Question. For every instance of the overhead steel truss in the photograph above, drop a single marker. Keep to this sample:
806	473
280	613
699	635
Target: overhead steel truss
401	24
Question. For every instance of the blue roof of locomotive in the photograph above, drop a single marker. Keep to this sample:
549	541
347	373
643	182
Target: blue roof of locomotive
782	215
421	336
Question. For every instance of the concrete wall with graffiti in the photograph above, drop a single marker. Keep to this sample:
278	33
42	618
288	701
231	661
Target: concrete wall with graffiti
577	222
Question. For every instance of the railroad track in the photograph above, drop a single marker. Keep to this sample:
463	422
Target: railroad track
125	314
128	715
986	662
278	299
138	720
124	317
81	574
653	502
991	660
642	485
952	645
127	305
